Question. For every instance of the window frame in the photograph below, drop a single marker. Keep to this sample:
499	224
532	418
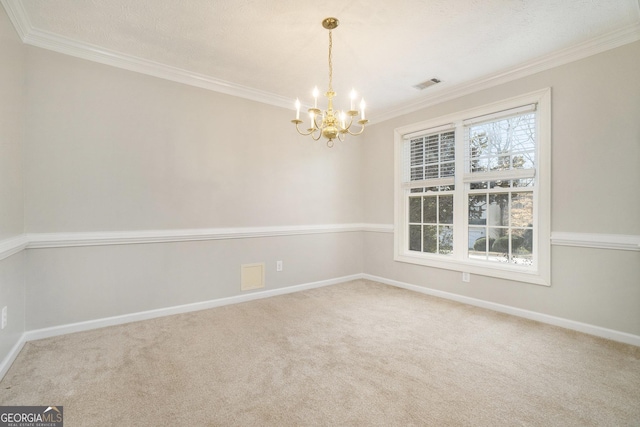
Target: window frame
540	272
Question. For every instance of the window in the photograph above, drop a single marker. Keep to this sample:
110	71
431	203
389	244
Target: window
472	190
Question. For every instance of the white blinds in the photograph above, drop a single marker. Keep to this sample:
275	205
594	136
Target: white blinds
429	157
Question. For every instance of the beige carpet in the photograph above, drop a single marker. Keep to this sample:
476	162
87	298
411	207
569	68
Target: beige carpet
358	353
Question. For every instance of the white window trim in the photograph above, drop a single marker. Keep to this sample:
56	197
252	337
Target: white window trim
541	273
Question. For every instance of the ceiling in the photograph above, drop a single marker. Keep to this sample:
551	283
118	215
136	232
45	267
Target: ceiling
276	50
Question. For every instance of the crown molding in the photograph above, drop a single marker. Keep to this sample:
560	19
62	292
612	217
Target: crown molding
616	38
46	40
94	53
50	41
18	17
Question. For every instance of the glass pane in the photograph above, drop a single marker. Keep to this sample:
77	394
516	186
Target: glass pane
478	209
498	209
446	239
478	185
522	247
500	184
430	212
415	209
417	173
431	149
524	160
499	240
477	242
431	171
417	152
480	164
527	182
508	143
430	244
524	238
504	162
522	209
447	169
442	188
445	214
414	237
417	190
447	146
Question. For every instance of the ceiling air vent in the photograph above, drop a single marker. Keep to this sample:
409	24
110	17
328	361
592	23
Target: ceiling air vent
424	85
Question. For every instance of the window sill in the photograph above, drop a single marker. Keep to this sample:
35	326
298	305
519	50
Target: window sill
502	272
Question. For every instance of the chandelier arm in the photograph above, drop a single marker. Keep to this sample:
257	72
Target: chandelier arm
315	138
297	122
346	128
360	131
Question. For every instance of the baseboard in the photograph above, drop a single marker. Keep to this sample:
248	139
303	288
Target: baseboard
586	328
54	331
186	308
11	356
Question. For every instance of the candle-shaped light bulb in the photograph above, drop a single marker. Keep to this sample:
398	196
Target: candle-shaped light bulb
297	109
316	92
343	117
353	98
312	117
362	106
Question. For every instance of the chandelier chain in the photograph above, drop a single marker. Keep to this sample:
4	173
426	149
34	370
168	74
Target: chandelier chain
330	63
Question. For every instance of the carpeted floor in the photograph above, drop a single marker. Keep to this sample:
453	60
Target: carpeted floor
359	353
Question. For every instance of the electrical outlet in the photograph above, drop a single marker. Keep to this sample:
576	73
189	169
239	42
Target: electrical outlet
278	265
466	277
4	317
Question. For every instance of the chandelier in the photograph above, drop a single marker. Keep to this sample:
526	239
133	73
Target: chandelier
332	124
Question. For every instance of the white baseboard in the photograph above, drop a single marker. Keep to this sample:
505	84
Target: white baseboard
168	311
186	308
11	356
519	312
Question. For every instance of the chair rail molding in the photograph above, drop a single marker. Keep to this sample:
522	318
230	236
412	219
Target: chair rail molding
624	242
56	240
13	245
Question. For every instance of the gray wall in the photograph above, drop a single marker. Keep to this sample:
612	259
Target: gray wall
12	268
112	150
595	178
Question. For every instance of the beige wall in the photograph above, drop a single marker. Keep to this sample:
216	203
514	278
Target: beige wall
12	269
595	178
11	126
109	149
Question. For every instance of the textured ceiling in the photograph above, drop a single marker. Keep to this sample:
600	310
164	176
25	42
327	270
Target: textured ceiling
381	48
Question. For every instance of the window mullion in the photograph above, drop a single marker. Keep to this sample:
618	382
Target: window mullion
460	230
